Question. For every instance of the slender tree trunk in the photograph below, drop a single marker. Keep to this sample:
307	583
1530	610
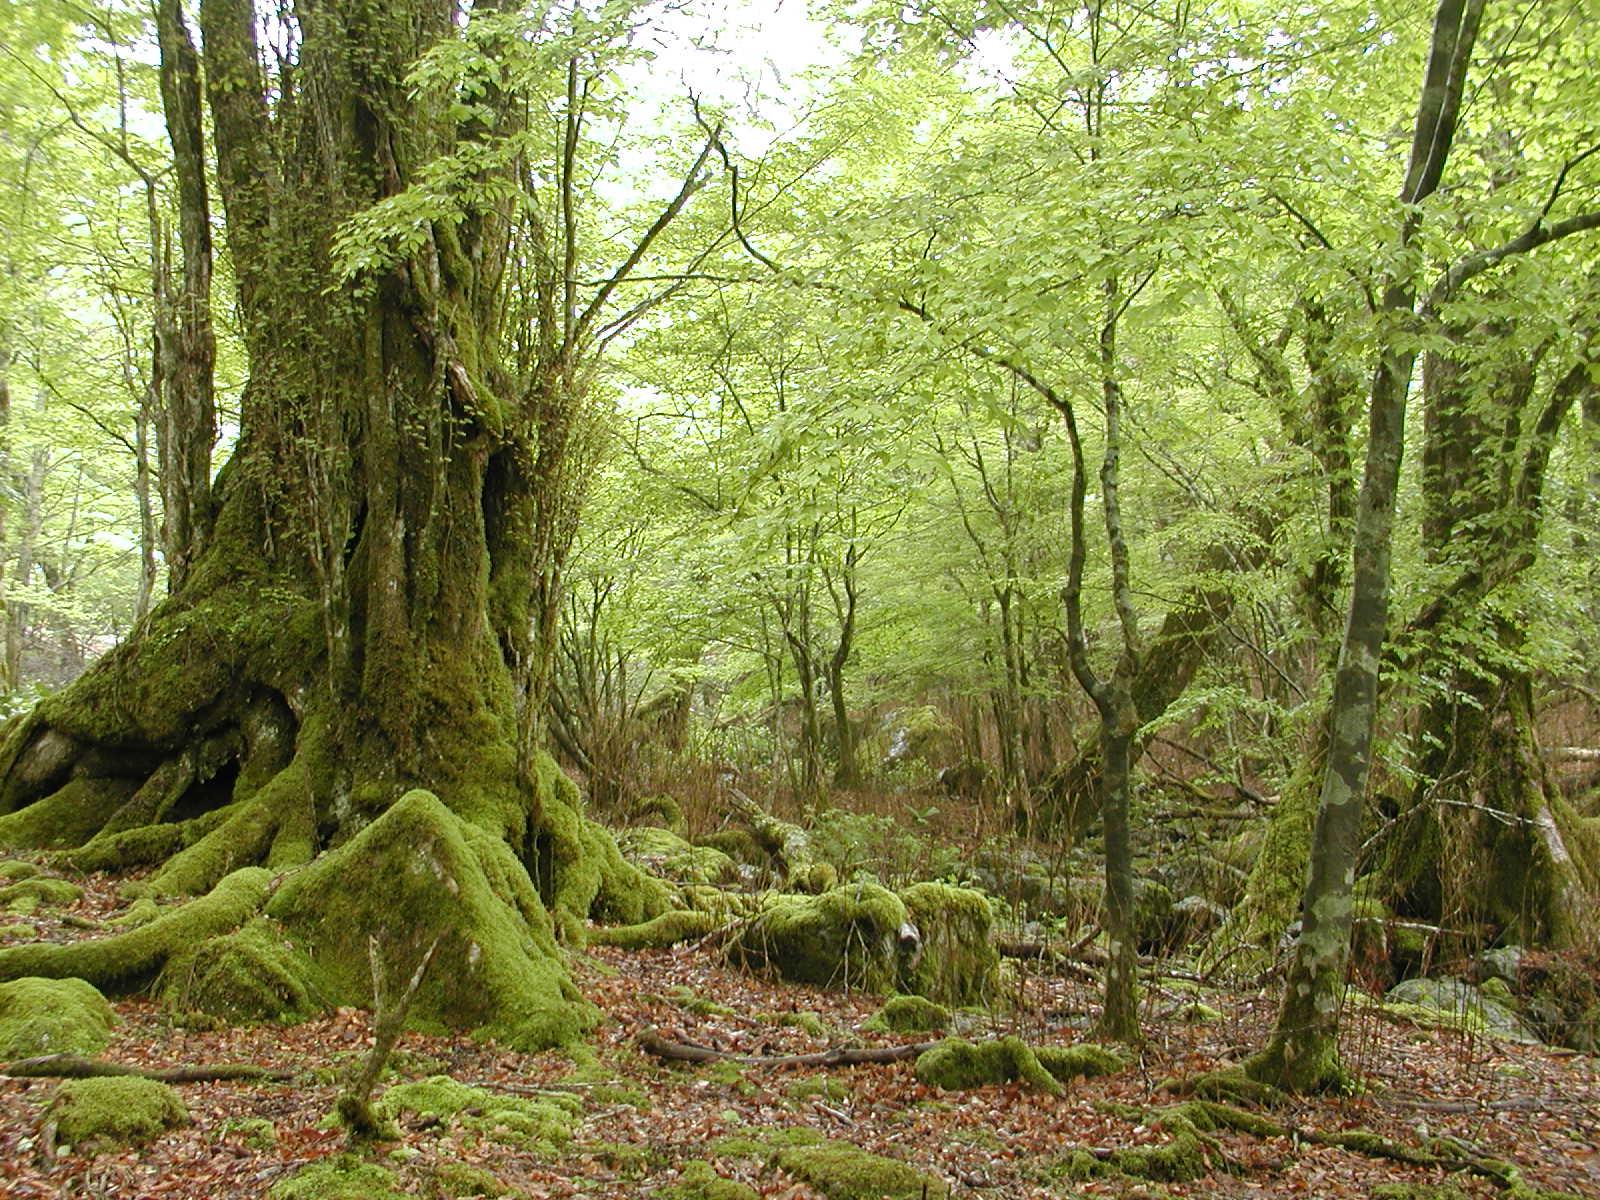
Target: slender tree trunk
1302	1054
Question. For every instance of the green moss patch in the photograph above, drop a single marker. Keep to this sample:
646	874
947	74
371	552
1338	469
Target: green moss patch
841	1171
666	855
252	974
342	1177
700	1181
52	1016
958	964
125	1109
909	1014
28	895
540	1124
127	959
68	817
1083	1061
420	873
13	869
670	928
453	1180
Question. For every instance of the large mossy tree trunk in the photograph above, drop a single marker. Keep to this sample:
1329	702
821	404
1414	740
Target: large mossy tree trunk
1485	843
361	620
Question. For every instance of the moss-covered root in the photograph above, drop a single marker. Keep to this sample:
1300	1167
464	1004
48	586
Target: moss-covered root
343	1177
1231	1084
126	960
909	1014
956	1064
252	974
658	933
52	1016
1083	1061
699	1181
420	873
125	1109
841	1171
27	895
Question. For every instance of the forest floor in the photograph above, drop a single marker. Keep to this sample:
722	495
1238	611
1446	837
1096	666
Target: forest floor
643	1120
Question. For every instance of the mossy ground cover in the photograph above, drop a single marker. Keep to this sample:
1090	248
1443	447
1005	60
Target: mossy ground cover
605	1120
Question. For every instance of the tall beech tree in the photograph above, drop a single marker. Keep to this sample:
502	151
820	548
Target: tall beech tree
373	610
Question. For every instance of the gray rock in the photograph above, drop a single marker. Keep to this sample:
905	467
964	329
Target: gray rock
1460	998
1503	962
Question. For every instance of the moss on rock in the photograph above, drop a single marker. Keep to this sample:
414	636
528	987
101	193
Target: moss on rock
342	1177
542	1124
958	964
124	1109
252	974
1083	1061
28	895
700	1181
126	960
670	928
909	1014
420	873
664	854
841	1171
738	844
848	937
52	1016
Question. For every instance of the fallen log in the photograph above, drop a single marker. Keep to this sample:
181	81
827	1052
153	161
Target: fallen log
74	1066
652	1043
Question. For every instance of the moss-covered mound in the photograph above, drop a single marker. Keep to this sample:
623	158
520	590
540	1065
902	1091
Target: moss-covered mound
13	869
125	1109
252	974
27	895
699	1181
909	1014
343	1177
665	854
541	1125
670	928
126	960
52	1016
958	963
841	1171
956	1064
420	873
857	936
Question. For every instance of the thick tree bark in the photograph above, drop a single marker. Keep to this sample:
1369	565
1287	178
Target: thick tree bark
360	621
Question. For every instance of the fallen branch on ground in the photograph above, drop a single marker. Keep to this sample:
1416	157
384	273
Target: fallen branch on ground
74	1066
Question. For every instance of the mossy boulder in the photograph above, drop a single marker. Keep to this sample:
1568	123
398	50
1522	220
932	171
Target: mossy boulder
1462	1003
252	974
52	1016
841	1171
342	1177
541	1124
858	936
666	855
28	895
700	1181
1152	914
909	1014
420	873
128	960
930	940
124	1109
738	844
